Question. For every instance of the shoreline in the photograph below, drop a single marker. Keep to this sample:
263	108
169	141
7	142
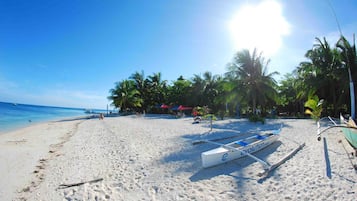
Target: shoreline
19	116
152	158
23	152
29	124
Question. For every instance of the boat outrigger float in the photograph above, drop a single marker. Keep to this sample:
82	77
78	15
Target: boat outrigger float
244	147
349	129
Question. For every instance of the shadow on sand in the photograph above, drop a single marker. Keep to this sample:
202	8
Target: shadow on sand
235	168
327	160
78	118
240	128
190	155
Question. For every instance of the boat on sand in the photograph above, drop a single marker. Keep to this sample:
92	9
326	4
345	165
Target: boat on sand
350	133
244	147
237	149
349	128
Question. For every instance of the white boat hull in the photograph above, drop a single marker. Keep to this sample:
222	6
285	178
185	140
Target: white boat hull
231	151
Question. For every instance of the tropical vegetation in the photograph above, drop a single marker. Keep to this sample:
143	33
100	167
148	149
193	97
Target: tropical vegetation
248	88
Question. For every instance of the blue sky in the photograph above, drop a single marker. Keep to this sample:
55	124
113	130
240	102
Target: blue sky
71	52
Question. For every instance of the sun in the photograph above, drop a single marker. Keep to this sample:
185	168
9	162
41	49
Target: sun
260	26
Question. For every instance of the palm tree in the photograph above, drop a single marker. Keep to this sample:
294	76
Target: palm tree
349	59
205	89
289	94
179	92
322	75
330	63
198	84
157	89
253	79
141	86
210	90
125	96
223	103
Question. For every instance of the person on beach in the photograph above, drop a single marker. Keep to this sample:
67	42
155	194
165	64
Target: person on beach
196	117
101	116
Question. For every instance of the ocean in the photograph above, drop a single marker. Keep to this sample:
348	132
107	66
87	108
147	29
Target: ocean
14	116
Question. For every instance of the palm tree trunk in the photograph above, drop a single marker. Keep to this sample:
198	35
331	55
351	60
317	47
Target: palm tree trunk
254	104
334	102
352	94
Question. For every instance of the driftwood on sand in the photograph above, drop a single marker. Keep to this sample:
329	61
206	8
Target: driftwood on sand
62	186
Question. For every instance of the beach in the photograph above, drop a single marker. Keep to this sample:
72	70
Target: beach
153	157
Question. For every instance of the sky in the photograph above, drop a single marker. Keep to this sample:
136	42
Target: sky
70	53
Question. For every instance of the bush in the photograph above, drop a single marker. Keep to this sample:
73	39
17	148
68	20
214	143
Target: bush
222	114
210	116
256	118
200	111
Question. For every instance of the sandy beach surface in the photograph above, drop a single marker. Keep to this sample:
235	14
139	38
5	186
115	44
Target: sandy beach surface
153	158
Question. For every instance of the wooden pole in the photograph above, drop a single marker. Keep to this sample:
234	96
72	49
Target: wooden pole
266	172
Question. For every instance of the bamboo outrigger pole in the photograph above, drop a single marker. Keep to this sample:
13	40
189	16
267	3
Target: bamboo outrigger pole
265	164
267	167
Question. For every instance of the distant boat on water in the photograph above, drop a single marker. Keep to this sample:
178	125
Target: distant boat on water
94	111
88	111
14	104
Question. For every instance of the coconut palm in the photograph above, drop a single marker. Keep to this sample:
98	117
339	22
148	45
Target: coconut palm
125	95
206	88
157	89
210	89
289	99
178	93
198	84
323	74
256	85
330	65
141	86
349	61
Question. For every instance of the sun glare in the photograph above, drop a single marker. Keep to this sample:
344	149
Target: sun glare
260	26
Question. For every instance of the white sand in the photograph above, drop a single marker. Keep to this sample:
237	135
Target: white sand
152	158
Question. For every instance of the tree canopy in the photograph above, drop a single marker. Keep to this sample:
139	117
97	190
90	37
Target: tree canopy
248	87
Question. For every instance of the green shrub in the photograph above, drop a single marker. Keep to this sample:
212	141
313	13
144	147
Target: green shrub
222	114
209	116
256	118
314	107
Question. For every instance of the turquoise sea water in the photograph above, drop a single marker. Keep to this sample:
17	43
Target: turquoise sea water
13	116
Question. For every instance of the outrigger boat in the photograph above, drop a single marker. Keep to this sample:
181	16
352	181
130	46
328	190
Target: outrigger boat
237	149
349	129
244	147
350	132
